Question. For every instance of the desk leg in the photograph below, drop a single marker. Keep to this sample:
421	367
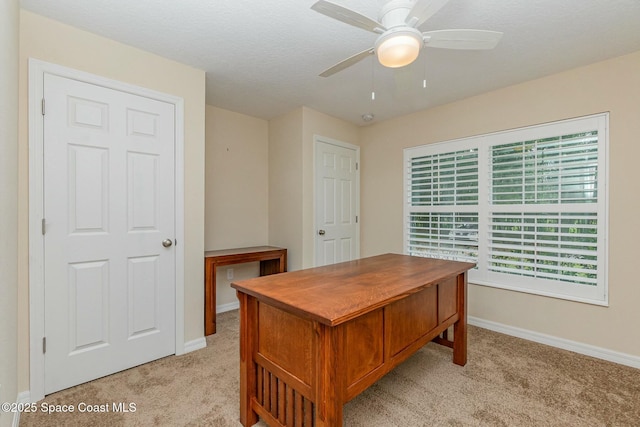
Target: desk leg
248	387
330	374
460	327
209	298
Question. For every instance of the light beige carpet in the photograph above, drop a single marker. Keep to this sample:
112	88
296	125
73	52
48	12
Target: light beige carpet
507	382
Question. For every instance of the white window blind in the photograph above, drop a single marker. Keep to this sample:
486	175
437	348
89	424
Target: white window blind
527	205
444	194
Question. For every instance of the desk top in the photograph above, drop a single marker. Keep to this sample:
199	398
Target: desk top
336	293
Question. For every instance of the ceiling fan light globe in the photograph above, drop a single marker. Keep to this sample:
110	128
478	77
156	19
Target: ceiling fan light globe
398	49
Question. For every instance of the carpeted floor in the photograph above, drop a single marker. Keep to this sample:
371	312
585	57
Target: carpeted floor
507	382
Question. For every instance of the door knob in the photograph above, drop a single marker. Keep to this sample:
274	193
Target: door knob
167	242
321	232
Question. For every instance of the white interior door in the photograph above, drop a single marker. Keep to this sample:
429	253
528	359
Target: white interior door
337	201
109	203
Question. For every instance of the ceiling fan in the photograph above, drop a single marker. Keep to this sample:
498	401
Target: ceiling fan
400	41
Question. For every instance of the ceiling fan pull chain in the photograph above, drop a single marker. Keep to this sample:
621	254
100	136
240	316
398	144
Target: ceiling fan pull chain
373	80
424	77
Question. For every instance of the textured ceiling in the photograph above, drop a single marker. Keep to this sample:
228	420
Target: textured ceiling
262	58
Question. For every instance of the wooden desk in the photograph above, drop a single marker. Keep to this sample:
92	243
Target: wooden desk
311	340
272	260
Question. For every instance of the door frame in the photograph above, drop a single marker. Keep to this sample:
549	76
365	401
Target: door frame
318	139
37	70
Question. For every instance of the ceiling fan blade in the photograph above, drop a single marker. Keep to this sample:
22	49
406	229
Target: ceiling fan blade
347	63
423	10
462	39
347	16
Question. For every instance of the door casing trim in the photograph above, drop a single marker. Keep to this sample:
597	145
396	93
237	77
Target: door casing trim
37	70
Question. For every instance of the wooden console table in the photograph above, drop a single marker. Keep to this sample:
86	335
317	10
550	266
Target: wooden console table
311	340
272	260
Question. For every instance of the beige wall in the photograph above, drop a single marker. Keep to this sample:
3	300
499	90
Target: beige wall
9	20
612	86
291	175
285	185
236	197
51	41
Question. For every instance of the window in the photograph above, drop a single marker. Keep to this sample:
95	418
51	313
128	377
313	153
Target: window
528	206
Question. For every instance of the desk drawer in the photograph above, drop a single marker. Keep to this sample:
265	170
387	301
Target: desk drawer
410	318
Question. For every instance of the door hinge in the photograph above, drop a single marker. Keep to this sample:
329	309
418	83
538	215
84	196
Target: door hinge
44	226
356	219
356	162
43	106
44	345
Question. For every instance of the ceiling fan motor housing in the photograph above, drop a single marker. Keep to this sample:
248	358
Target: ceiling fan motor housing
394	13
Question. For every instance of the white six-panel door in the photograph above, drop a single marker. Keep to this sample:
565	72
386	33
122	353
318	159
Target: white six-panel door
109	186
336	199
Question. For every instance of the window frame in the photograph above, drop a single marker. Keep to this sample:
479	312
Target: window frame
597	294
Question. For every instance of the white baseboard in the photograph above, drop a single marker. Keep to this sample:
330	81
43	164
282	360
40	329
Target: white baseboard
227	307
197	344
22	398
200	343
576	347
